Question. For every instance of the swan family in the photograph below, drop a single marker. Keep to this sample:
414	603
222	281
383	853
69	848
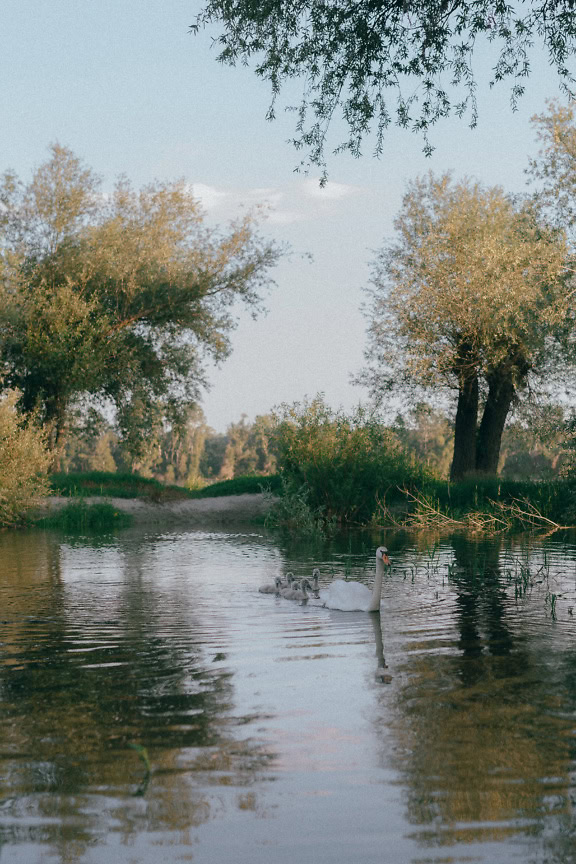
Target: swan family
340	594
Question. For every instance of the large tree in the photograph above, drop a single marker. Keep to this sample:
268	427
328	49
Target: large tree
120	296
378	62
474	295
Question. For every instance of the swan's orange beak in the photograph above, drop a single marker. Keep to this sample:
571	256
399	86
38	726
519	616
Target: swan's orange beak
386	560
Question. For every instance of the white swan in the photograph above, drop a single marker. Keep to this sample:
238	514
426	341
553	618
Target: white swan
354	596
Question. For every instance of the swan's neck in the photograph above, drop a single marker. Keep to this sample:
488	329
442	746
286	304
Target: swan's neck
377	589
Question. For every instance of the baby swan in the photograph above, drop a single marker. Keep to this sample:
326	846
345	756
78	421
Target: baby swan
271	587
287	586
300	592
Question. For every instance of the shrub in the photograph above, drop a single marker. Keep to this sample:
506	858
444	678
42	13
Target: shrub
24	461
249	484
347	464
79	516
114	484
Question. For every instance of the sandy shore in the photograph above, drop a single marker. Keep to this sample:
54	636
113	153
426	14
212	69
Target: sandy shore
224	510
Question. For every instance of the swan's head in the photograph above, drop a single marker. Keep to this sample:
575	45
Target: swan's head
290	578
316	573
382	555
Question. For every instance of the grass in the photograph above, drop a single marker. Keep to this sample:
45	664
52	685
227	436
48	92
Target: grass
126	485
114	485
486	505
249	484
78	516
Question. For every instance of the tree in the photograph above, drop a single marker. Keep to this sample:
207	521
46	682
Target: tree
553	170
24	459
122	297
358	58
473	296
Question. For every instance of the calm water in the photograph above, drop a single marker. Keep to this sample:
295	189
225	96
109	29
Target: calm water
154	707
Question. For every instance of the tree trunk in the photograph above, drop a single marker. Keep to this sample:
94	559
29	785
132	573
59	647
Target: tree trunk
501	392
464	459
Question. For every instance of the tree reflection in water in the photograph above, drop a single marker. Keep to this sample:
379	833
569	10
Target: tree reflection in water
93	685
484	716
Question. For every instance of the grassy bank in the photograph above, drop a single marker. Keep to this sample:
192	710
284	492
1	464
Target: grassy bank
80	517
114	485
487	503
126	485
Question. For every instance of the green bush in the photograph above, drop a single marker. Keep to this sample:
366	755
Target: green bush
81	517
114	484
249	484
24	461
555	499
346	464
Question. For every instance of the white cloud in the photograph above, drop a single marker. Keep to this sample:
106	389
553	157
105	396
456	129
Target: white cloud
286	217
209	196
329	192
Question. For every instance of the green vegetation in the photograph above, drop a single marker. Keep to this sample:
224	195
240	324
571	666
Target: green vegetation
114	485
471	298
340	470
343	465
24	461
116	299
377	64
247	485
78	516
486	504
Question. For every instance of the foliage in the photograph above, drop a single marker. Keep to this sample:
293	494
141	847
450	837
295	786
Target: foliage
345	463
475	291
81	517
249	448
292	513
24	461
122	297
248	485
469	266
428	435
553	170
114	485
409	63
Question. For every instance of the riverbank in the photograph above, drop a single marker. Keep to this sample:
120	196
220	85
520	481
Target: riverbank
223	510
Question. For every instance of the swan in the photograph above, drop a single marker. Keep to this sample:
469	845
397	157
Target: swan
300	592
354	596
271	587
287	587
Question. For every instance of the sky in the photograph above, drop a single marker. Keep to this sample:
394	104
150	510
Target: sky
131	91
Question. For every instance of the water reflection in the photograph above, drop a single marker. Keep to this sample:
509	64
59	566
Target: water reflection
484	720
102	677
154	705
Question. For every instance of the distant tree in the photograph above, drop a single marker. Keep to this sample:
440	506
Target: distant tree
407	62
428	435
472	296
249	448
212	457
122	297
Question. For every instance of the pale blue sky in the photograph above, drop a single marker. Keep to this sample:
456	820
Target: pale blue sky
130	91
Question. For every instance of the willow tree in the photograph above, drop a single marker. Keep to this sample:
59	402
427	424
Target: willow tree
120	297
472	296
380	62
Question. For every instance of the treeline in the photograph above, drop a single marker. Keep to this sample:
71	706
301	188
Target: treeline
533	448
191	454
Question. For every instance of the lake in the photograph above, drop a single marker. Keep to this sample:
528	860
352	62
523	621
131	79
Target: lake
155	707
